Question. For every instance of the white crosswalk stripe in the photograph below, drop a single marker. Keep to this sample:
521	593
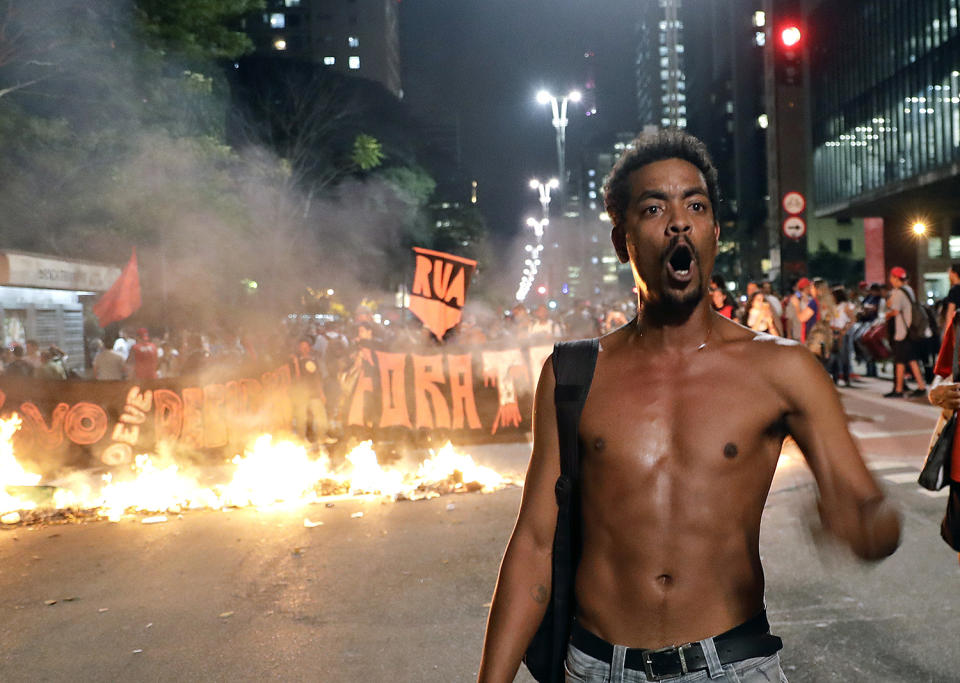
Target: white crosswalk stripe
901	477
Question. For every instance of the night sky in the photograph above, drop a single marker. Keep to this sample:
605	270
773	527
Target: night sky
484	60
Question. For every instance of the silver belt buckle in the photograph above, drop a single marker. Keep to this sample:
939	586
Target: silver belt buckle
648	662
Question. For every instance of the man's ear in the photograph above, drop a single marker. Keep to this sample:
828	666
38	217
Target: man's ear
716	231
620	244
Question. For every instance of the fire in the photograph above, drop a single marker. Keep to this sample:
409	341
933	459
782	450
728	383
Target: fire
270	472
12	473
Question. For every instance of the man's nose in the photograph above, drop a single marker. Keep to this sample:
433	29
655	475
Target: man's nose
678	226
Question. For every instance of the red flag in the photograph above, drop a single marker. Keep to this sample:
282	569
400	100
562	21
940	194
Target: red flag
123	297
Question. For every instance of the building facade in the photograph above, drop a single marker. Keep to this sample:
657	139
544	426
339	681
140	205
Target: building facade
885	120
661	83
355	37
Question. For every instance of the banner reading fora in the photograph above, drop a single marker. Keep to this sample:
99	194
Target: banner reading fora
439	290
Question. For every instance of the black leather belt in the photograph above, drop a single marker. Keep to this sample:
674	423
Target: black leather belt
750	639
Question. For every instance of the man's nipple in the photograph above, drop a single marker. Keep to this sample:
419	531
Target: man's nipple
598	445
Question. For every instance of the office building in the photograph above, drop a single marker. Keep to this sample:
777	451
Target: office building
885	119
355	37
661	83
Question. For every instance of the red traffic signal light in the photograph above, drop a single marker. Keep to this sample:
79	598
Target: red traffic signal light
790	36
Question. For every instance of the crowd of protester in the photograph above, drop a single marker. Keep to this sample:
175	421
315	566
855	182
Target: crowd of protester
873	323
869	323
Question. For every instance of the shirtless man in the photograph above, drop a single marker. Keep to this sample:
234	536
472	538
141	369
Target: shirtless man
680	436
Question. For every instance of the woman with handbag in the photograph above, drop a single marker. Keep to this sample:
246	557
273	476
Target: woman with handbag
943	460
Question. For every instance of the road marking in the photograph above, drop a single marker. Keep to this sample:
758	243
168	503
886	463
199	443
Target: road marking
942	493
886	435
906	406
893	465
902	477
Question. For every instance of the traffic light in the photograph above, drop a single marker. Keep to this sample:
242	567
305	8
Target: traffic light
789	54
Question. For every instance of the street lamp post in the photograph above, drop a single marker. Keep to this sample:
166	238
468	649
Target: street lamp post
559	108
544	191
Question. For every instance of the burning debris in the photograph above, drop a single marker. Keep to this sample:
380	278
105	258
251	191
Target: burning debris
268	473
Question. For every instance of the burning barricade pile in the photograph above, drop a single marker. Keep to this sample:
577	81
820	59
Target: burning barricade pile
269	472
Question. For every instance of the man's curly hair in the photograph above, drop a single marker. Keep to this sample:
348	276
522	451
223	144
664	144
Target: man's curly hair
671	143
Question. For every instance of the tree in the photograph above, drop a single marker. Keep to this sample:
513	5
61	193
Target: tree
367	152
197	29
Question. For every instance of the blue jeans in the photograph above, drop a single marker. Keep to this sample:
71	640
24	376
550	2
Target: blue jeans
582	668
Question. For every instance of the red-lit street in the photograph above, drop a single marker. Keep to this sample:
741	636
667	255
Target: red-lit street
401	593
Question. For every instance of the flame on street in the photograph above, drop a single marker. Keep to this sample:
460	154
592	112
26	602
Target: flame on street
269	472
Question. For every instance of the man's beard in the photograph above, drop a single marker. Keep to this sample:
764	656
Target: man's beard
676	307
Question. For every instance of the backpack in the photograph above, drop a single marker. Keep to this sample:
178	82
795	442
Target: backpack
573	366
919	326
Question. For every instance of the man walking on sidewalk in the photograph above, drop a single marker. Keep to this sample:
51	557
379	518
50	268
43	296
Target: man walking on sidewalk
900	309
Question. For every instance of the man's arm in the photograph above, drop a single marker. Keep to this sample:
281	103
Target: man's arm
852	506
523	587
804	311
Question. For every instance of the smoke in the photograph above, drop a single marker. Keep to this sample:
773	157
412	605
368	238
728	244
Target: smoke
110	145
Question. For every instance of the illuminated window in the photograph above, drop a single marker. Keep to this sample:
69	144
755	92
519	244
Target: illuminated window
353	41
291	3
353	62
759	19
760	38
329	61
278	20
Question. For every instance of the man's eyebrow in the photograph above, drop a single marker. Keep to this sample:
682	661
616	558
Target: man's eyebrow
660	194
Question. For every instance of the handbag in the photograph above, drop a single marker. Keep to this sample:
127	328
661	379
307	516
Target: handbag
936	469
573	366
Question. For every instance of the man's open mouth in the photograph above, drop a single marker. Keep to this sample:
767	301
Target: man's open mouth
680	263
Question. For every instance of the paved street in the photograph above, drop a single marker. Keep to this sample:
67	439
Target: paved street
401	593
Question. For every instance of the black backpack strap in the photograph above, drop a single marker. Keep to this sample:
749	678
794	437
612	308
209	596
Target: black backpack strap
573	366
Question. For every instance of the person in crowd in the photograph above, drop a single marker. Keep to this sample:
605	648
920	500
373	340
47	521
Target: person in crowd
842	322
543	326
123	343
953	296
195	356
307	398
720	297
760	316
772	297
803	309
670	500
144	357
519	322
614	319
107	363
168	363
51	364
19	367
900	312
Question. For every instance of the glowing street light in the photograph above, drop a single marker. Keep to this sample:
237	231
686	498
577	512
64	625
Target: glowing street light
919	228
560	121
537	226
544	190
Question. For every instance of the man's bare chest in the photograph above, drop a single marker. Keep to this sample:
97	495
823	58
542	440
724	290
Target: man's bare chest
648	417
